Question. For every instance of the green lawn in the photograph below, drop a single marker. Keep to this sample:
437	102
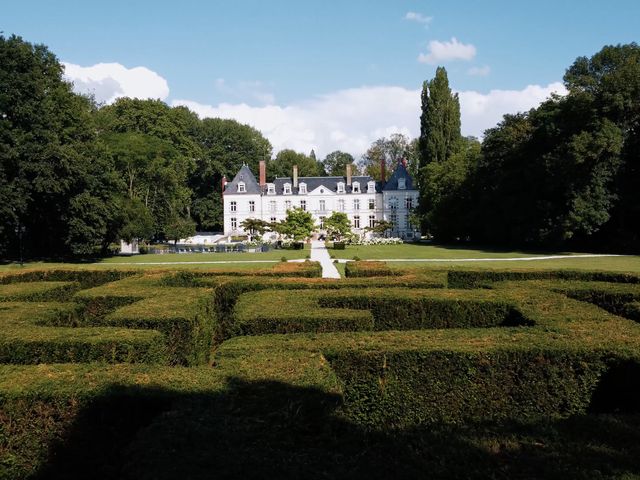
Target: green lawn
425	250
187	260
439	252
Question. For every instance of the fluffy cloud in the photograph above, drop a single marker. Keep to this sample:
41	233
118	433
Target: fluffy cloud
418	17
108	81
251	90
350	120
479	71
447	51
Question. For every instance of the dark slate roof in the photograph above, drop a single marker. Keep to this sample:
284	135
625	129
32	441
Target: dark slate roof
244	175
399	172
330	183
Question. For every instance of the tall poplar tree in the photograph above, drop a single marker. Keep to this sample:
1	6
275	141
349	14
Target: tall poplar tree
440	120
440	139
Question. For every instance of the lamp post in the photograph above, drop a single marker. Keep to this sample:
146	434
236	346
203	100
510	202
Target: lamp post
20	229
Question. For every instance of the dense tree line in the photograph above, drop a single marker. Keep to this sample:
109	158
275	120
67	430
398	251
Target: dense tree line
565	174
76	177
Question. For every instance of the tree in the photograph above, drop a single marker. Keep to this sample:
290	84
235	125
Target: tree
381	227
178	228
255	226
439	121
282	165
335	164
50	163
225	145
392	150
439	139
298	225
337	225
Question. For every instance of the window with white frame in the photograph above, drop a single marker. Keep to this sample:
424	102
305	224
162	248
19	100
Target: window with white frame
371	187
355	188
233	206
287	189
408	203
356	221
303	188
356	204
402	184
272	206
372	221
234	223
340	187
372	204
241	187
303	204
287	205
271	189
252	206
341	205
323	205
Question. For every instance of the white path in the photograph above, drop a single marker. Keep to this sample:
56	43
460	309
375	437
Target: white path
320	254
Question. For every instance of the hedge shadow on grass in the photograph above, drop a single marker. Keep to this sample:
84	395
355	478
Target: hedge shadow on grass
270	429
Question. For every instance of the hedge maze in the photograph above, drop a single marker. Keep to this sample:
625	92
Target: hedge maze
278	373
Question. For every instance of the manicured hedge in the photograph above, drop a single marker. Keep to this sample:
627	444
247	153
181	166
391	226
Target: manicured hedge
37	291
402	388
292	311
27	337
368	269
418	309
185	316
480	278
86	278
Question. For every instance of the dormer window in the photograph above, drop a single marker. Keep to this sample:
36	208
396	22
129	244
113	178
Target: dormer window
287	189
356	187
303	188
271	189
340	187
402	184
371	187
242	187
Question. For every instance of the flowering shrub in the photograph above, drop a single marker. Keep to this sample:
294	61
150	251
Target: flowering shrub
355	240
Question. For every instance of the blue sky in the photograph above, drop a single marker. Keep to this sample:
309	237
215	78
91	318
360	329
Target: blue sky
293	60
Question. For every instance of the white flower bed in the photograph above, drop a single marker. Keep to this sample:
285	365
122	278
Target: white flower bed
376	241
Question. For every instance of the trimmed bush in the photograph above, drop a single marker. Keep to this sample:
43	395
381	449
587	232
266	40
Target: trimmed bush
403	388
418	309
37	291
262	312
27	337
368	269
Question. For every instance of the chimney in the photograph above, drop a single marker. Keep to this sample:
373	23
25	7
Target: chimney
295	176
383	170
349	174
223	183
263	173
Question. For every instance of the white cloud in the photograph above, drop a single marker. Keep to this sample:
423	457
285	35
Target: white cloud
479	71
350	120
480	111
108	81
418	17
246	90
447	51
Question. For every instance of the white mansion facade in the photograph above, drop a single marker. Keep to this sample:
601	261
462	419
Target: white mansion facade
364	200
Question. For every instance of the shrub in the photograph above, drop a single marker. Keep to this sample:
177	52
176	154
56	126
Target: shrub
367	269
